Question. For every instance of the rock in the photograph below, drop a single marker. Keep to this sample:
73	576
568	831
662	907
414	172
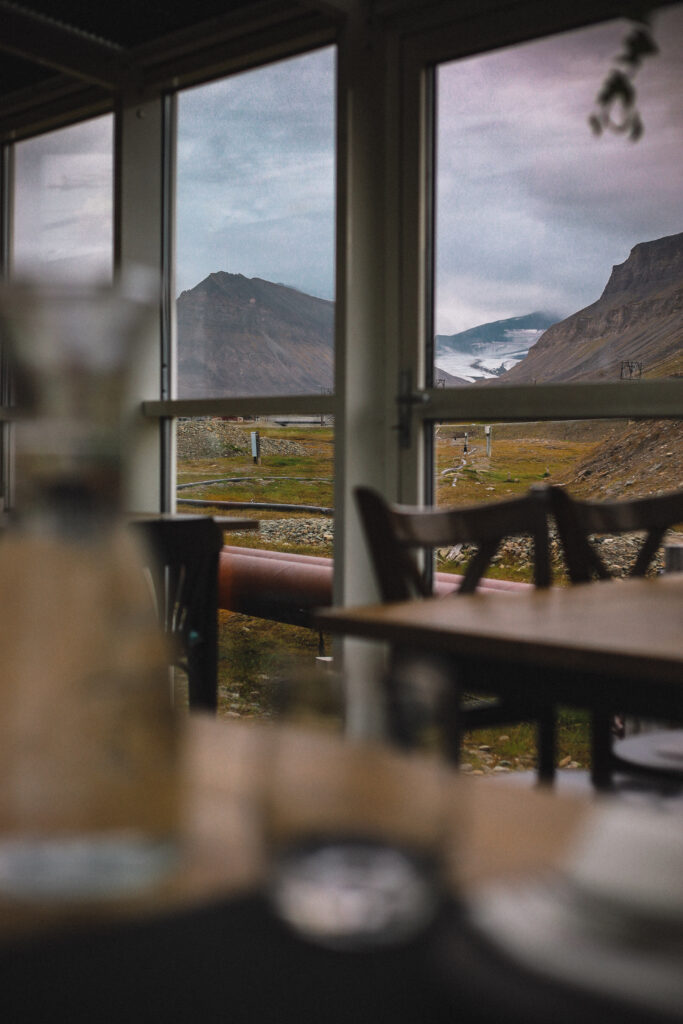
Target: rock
564	762
318	531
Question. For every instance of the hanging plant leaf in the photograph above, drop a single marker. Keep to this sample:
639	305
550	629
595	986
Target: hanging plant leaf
616	103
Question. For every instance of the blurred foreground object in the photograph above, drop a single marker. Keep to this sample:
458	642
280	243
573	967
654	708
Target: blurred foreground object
88	742
352	863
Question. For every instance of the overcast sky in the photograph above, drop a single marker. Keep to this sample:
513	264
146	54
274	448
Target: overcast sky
256	176
532	209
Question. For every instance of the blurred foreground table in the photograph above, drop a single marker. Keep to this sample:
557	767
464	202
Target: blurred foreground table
506	832
203	945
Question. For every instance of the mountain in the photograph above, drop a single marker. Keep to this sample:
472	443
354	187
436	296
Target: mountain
638	317
242	336
490	349
447	380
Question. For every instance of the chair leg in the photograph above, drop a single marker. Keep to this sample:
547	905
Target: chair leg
202	678
454	723
601	745
545	732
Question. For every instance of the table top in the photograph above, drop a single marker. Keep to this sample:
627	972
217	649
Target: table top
505	833
627	628
229	523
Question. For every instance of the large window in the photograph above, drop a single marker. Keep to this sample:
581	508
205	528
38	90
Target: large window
62	215
255	221
542	227
63	203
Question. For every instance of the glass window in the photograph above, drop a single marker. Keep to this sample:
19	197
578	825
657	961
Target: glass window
255	222
559	254
63	203
255	231
278	470
558	259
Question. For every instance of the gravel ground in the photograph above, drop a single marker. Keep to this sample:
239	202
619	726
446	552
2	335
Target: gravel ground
618	552
293	532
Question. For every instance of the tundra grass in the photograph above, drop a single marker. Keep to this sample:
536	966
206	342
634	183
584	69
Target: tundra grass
514	465
515	745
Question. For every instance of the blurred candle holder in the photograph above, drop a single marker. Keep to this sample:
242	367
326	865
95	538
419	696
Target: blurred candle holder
89	745
356	833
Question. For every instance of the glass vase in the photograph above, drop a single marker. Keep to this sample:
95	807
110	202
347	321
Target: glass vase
89	745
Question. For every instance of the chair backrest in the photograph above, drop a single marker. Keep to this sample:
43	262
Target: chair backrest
184	556
395	532
578	520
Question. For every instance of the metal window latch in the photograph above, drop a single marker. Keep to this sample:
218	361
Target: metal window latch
406	400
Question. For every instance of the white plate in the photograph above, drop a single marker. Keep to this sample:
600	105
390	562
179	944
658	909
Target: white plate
612	920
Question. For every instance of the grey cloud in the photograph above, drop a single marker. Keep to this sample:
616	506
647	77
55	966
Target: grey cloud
529	201
256	176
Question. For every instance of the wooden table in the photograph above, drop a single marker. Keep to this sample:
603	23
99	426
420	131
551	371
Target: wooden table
202	937
229	523
607	646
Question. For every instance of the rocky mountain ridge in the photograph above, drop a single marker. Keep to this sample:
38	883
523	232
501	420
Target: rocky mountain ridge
638	318
239	336
242	336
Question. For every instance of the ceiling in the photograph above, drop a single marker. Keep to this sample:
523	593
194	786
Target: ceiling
65	59
57	52
34	33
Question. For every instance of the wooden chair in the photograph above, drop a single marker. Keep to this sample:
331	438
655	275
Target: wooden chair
577	524
395	534
184	573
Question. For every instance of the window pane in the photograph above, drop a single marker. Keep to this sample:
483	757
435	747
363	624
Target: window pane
541	223
269	577
63	203
287	486
255	231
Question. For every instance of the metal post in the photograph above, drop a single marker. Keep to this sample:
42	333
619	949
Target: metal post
256	447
